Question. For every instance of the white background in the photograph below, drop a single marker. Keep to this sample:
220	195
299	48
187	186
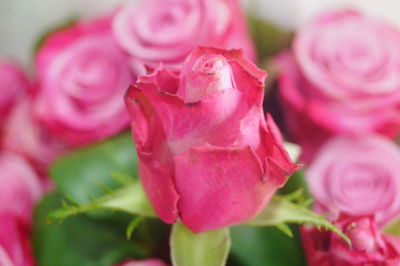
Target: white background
23	21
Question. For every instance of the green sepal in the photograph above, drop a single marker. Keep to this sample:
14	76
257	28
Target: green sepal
130	199
281	210
209	248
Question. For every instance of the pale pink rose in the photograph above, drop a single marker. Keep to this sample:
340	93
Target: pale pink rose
369	247
357	176
20	187
25	135
154	31
207	155
13	82
83	76
342	77
15	247
148	262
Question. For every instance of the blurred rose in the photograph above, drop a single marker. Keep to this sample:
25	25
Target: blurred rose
12	82
369	246
20	187
357	176
25	135
83	76
343	76
206	152
15	249
148	262
154	31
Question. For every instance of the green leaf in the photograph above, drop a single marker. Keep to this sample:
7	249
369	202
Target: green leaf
189	249
280	210
268	39
295	183
132	226
82	174
285	229
83	241
393	228
265	246
130	199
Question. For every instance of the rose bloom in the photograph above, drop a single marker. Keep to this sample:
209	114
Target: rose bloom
20	186
369	246
341	77
24	134
83	76
207	156
12	83
154	31
20	189
147	262
357	176
15	248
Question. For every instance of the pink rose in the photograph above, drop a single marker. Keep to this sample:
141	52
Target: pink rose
357	176
20	187
207	154
342	77
25	135
83	76
15	248
369	246
148	262
154	31
12	83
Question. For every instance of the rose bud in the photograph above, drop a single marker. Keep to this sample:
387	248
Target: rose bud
357	176
12	83
15	248
207	156
25	135
20	187
154	31
148	262
341	77
83	76
369	246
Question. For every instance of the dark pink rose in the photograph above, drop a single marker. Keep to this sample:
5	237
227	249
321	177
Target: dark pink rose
393	245
369	247
207	154
20	187
15	248
342	77
357	176
154	31
148	262
12	83
83	76
24	134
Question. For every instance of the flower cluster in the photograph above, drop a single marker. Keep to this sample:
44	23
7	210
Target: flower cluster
182	76
76	97
339	88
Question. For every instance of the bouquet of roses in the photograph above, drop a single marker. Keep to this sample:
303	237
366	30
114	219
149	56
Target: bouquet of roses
158	134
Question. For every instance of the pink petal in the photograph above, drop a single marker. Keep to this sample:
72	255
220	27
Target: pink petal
15	248
154	157
219	186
